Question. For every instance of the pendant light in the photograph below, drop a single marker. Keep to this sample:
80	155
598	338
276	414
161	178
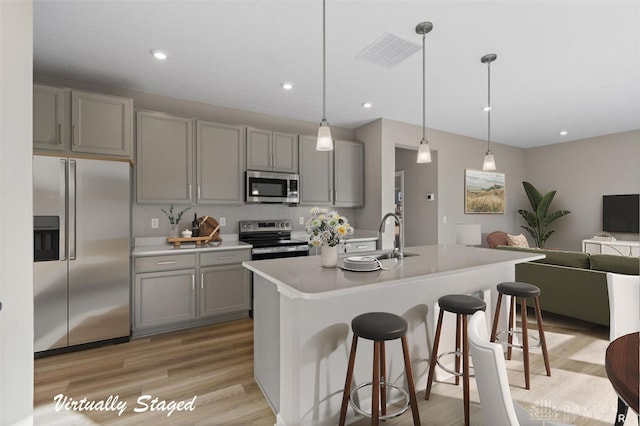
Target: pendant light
489	159
424	152
324	141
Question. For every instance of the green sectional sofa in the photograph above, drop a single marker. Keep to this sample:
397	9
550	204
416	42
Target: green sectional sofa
574	284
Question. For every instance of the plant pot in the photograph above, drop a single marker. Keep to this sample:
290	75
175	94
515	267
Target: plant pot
329	256
173	231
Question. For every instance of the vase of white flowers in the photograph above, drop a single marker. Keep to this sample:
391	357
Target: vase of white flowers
327	229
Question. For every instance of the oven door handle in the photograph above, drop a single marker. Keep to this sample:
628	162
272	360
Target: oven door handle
283	249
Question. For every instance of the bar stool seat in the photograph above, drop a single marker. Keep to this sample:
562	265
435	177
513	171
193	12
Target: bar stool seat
462	305
524	291
518	289
379	327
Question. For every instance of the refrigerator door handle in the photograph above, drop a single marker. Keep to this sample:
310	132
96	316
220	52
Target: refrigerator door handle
63	209
72	209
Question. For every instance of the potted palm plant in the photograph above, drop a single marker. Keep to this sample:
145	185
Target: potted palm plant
540	218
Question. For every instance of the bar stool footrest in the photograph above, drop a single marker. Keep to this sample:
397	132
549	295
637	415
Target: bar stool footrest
455	373
395	414
517	333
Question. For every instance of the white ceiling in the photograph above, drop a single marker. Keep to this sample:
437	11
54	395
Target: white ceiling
562	65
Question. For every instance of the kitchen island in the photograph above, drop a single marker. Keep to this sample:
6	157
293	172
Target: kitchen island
303	312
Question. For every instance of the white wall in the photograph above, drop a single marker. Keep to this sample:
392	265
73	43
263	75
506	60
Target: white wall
16	250
455	154
582	172
420	215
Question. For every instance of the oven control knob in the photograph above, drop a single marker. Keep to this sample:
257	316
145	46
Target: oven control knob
287	224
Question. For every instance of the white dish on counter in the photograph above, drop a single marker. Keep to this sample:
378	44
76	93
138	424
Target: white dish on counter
376	267
361	259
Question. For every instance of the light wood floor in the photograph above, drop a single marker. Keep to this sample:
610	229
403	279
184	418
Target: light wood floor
215	363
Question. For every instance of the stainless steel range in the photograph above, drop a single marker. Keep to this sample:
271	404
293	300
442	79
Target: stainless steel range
271	239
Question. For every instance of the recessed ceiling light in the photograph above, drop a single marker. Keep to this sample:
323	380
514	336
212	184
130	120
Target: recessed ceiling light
287	86
158	54
367	105
564	133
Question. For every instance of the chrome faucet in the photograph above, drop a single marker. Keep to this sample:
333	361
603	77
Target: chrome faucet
399	249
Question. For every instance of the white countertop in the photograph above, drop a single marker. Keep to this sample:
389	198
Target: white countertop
304	277
156	246
359	235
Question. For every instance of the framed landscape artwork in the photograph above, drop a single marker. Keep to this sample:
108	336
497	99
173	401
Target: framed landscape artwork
483	192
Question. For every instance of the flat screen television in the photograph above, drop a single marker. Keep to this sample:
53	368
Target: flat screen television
620	213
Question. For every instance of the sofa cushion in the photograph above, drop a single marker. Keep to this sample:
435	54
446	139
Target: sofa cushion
572	259
614	263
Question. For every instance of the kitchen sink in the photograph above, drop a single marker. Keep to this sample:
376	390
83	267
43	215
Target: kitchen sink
393	255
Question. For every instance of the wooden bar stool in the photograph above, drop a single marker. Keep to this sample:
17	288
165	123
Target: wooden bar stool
462	305
379	327
524	291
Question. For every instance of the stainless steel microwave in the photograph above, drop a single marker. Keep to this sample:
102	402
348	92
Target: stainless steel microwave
271	187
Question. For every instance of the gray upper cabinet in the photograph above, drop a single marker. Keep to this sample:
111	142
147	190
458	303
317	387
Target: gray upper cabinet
220	163
348	174
331	178
316	173
101	124
93	124
272	151
164	166
50	124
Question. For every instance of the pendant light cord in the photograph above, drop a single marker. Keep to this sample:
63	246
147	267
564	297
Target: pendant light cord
324	65
488	105
424	90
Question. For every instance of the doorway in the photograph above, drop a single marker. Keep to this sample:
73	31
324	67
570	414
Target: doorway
419	200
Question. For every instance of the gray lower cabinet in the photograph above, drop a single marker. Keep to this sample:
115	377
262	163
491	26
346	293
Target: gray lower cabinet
164	298
358	246
331	178
224	290
179	291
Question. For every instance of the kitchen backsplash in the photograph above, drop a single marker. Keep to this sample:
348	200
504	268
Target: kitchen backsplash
142	215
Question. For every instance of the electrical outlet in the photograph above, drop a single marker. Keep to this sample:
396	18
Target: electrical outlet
223	221
155	223
301	220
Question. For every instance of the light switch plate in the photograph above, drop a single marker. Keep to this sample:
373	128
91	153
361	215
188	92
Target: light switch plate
155	223
301	220
223	221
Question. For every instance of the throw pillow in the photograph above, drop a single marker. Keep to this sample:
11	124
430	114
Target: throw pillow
517	240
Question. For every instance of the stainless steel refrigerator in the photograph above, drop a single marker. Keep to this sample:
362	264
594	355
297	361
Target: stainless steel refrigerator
81	269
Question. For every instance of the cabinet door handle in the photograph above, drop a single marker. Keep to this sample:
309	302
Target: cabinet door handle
59	133
166	262
73	134
189	190
193	281
202	281
225	257
199	196
361	247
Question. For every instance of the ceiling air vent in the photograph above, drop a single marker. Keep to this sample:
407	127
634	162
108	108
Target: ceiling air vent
389	50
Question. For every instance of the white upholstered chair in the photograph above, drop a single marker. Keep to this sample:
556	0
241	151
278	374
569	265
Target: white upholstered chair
624	304
498	408
624	316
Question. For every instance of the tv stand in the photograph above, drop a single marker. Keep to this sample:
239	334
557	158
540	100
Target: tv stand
619	247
